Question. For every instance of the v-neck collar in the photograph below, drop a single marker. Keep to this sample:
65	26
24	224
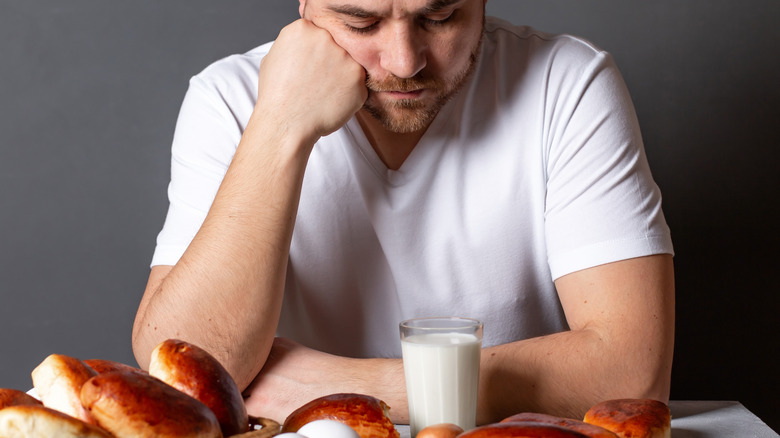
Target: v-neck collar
422	155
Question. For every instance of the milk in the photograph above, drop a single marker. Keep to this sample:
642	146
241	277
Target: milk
442	375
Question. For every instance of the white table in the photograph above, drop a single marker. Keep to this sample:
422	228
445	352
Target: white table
705	419
701	419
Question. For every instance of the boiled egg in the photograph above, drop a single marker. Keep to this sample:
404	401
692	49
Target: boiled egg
444	430
327	429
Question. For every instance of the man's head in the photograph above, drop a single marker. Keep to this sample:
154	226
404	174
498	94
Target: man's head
417	53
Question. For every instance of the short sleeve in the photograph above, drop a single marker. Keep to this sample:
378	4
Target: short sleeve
602	204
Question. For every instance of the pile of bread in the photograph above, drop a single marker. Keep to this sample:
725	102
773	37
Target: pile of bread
187	393
621	418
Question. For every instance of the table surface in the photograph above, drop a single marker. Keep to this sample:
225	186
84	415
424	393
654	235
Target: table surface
705	419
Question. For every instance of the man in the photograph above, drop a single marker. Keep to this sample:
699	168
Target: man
395	159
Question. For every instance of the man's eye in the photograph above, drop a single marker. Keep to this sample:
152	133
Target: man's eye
438	19
362	27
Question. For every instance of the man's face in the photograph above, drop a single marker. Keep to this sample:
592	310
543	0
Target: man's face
417	53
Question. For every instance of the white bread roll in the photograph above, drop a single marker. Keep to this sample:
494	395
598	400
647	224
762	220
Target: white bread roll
30	421
58	380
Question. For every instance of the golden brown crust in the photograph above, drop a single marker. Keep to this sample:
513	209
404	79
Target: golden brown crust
139	405
366	414
632	418
58	380
522	430
14	397
104	365
195	372
590	430
31	421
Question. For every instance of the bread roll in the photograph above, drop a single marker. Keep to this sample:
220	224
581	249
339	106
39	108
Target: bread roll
194	371
131	404
104	365
366	414
30	421
14	397
569	423
58	380
634	418
521	430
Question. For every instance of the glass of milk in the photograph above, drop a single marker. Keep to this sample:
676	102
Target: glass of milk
441	367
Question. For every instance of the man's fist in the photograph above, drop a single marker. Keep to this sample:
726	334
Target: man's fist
308	84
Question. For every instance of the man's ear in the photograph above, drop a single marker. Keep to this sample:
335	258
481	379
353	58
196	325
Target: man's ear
301	7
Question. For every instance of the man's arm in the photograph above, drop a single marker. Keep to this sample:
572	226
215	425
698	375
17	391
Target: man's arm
620	344
226	291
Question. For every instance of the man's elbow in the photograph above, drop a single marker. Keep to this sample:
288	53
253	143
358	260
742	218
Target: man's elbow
658	385
144	337
141	351
651	380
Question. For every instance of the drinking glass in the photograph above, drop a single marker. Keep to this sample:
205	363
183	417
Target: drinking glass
441	366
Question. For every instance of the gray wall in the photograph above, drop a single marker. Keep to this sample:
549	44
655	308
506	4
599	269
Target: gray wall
90	90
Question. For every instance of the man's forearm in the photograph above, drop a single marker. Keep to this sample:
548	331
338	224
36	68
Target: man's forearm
561	374
620	345
225	293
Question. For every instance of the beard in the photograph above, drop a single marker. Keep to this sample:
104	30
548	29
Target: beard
412	115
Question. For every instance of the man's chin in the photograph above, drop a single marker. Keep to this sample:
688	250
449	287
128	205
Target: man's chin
403	117
406	123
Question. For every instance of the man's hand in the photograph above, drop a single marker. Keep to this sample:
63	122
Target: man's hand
309	84
290	371
294	375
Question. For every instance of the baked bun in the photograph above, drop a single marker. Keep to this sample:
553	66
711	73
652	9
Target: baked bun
569	423
366	414
58	380
104	365
14	397
634	418
130	404
521	430
29	421
195	372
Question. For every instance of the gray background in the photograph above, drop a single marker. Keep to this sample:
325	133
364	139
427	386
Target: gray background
90	90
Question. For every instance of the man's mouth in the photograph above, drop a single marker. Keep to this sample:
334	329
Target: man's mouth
401	88
403	94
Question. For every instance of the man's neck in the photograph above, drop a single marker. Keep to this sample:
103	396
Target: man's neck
391	147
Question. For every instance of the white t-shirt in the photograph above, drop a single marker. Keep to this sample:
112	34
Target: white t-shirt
534	170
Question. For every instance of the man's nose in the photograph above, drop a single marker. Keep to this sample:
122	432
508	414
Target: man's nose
404	52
